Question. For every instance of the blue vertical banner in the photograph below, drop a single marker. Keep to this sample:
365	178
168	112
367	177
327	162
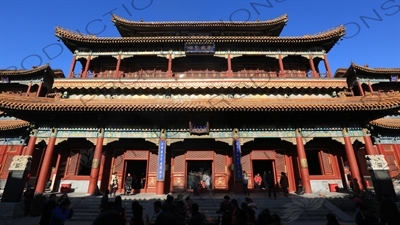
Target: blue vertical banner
237	157
161	161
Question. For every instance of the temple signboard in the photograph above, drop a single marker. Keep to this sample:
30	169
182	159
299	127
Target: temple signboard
199	48
238	165
161	161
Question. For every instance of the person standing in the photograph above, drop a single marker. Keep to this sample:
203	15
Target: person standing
271	184
284	182
245	183
128	184
61	213
264	179
207	181
137	212
114	184
257	181
48	210
388	211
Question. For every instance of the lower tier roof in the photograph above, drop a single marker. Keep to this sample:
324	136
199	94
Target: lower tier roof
359	103
388	123
286	83
13	124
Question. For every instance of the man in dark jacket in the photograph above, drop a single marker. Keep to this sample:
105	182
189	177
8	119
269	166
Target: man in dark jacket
61	213
389	212
48	210
109	216
197	217
226	210
271	183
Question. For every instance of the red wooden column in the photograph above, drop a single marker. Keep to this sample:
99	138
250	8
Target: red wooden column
351	158
31	143
29	88
94	173
314	72
169	72
85	72
39	89
360	88
162	147
72	68
301	153
229	61
369	147
281	68
380	148
46	163
370	88
327	67
116	74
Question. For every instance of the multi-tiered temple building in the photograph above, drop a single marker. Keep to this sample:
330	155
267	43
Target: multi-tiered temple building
166	98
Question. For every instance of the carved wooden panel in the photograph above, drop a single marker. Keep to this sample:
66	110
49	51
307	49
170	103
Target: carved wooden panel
388	148
179	181
7	163
12	148
119	163
246	163
178	171
326	159
263	154
136	154
179	164
152	180
393	164
247	166
220	163
221	169
73	162
207	155
153	163
220	182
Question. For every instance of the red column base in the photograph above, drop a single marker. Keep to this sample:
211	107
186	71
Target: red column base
238	188
160	188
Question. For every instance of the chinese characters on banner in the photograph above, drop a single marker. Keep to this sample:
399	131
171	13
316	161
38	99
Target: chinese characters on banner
199	48
161	161
237	156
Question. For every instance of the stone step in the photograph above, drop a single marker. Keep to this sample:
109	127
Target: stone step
87	210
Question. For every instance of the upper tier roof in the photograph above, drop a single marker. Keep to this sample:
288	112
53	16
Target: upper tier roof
73	40
129	28
354	68
56	73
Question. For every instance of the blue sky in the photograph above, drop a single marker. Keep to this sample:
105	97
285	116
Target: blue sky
27	27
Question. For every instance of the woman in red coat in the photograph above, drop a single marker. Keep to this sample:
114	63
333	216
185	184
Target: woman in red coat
257	181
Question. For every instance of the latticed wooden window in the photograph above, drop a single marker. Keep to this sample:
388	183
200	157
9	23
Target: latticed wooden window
85	162
319	162
80	162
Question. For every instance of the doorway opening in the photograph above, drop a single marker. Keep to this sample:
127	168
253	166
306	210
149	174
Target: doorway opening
138	171
259	166
198	167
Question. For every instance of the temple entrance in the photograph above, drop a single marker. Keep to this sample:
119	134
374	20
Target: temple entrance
199	167
259	166
138	171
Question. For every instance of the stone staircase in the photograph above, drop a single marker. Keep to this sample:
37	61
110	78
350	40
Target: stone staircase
88	208
292	209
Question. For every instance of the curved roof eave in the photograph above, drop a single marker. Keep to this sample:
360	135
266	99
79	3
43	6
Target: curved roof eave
327	39
274	25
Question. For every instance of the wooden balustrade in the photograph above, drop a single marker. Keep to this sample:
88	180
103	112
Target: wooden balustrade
193	74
